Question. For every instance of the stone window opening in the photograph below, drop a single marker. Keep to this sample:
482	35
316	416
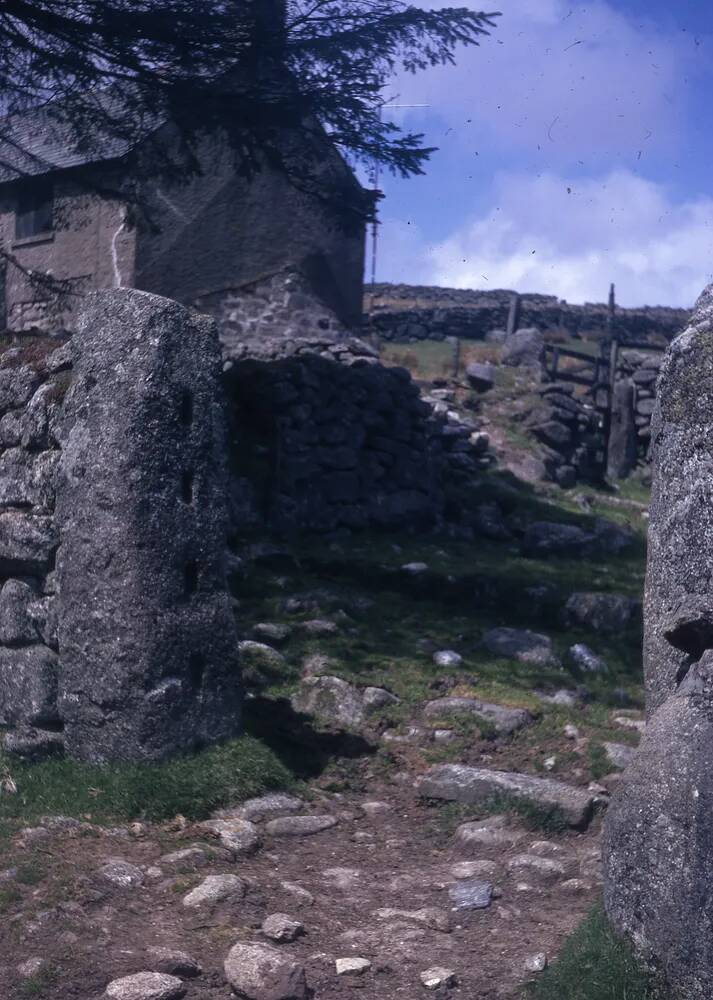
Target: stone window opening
34	210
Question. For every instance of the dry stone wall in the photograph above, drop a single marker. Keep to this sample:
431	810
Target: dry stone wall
324	437
407	313
32	383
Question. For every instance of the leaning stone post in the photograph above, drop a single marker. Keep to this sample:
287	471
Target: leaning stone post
146	635
658	843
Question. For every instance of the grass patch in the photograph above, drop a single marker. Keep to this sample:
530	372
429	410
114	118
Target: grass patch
192	786
532	815
596	965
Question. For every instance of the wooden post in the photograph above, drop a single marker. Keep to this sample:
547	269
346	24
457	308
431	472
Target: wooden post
513	315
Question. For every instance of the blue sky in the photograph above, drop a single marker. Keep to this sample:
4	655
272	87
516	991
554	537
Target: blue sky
575	149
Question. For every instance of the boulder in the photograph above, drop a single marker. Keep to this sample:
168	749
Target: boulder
609	614
469	785
548	538
263	972
586	659
522	645
481	377
525	348
146	986
505	720
331	700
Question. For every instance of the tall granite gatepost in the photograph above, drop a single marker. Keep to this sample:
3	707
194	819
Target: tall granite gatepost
658	843
147	641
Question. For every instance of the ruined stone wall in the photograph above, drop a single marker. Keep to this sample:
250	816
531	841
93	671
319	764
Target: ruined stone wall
408	313
325	437
33	380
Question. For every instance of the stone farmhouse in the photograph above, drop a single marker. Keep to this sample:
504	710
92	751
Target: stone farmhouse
213	237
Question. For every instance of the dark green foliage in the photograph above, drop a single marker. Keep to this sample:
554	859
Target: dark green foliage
596	965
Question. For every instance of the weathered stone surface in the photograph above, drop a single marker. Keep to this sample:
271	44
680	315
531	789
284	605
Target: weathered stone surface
263	972
480	376
281	928
524	348
620	755
172	962
237	835
27	542
622	451
215	889
606	613
146	629
459	783
547	538
374	698
586	659
658	839
505	720
522	645
28	686
254	810
471	894
330	699
299	826
122	873
32	744
146	986
16	626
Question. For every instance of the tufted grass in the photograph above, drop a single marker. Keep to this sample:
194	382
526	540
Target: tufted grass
594	964
191	786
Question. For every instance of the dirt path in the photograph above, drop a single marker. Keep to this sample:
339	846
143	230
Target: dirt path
61	908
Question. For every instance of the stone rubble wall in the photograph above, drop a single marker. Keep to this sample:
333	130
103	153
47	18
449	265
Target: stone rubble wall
641	370
325	437
33	381
405	313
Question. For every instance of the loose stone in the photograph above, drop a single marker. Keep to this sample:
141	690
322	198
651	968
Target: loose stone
215	889
299	826
438	978
261	971
281	928
471	895
146	986
352	966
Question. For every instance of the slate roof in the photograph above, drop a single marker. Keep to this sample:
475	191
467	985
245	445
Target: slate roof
42	140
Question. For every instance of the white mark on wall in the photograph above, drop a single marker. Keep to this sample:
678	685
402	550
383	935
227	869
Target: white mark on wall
174	208
114	251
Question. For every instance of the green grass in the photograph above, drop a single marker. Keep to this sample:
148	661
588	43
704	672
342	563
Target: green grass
595	965
446	818
191	786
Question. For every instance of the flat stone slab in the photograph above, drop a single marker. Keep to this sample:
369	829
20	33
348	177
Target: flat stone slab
146	986
468	785
299	826
505	720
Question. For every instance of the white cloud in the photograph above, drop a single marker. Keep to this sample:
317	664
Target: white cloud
568	238
581	83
